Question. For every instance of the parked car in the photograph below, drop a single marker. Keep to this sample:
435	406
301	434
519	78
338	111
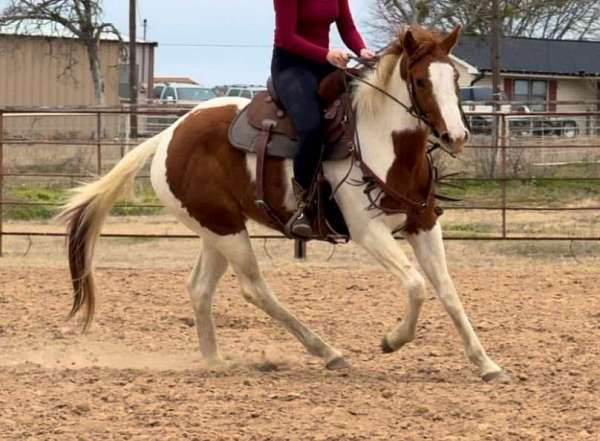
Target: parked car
542	125
180	93
170	94
479	99
244	91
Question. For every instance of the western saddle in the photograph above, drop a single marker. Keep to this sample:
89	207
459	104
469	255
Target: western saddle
263	127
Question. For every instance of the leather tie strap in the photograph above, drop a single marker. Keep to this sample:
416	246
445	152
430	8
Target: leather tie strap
261	156
262	144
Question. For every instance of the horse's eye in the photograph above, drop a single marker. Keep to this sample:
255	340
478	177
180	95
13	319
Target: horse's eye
420	83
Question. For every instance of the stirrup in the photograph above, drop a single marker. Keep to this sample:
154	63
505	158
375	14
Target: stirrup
299	224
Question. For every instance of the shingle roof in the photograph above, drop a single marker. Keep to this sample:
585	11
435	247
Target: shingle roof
533	55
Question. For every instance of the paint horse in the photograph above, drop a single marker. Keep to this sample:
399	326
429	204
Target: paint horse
210	187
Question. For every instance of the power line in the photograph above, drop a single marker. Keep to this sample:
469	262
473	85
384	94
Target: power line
235	46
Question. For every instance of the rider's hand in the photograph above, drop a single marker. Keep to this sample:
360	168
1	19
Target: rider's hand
338	58
367	54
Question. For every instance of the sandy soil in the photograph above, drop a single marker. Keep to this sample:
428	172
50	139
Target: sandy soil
138	374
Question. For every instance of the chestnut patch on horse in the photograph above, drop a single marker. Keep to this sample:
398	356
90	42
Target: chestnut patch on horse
421	50
410	176
210	178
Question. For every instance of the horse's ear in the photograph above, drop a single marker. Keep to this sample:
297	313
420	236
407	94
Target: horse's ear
409	43
450	41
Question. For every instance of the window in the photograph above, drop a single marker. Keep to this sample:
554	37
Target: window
170	94
532	92
158	90
124	81
233	92
195	93
246	94
466	94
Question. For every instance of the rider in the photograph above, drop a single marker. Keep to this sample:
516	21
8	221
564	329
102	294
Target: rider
301	59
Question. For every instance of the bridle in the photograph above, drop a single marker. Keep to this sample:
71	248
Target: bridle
370	180
414	110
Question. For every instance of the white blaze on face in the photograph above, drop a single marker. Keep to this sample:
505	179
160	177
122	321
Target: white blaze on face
441	76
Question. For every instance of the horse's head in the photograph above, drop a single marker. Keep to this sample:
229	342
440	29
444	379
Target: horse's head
432	81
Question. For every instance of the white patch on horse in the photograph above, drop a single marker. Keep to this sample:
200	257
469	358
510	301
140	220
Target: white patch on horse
441	76
377	122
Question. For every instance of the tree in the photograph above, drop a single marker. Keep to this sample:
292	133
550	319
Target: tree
82	18
555	19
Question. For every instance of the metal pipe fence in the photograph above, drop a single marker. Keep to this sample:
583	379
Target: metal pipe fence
519	133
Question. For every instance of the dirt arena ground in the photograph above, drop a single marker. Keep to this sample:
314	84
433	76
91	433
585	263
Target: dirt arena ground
138	375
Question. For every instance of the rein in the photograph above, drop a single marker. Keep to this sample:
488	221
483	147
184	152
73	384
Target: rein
412	111
370	178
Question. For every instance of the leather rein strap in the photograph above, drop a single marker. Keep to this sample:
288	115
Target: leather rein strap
370	178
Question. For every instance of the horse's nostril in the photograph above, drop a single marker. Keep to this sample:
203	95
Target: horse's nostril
446	138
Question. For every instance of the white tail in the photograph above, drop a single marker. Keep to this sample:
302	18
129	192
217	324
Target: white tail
85	213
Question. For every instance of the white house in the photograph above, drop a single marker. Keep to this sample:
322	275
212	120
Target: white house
534	70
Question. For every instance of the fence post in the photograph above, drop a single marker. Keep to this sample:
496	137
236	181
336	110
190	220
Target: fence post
1	181
299	249
503	136
99	143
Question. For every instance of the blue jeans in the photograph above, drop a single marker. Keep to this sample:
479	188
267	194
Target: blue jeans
296	81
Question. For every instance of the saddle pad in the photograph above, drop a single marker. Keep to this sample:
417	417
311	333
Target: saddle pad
244	136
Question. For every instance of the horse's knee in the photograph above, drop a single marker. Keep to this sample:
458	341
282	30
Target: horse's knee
200	298
415	286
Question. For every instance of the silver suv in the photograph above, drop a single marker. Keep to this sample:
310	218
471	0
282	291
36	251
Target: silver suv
180	93
244	91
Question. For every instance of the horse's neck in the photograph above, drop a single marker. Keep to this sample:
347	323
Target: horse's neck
376	124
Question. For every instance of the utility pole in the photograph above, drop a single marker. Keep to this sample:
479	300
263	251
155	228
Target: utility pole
495	36
145	28
133	71
495	45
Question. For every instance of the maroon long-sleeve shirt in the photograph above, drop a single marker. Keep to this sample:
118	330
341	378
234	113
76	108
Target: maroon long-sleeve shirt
302	27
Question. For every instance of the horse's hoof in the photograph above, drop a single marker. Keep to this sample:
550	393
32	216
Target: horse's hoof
385	346
500	377
214	363
338	363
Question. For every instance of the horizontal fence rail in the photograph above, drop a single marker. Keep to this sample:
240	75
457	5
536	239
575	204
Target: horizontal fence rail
502	133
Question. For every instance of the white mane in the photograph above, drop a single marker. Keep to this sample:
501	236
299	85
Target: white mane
368	100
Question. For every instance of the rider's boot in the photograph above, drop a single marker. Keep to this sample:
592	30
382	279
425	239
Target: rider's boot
300	223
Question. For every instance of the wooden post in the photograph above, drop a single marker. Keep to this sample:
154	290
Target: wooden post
99	143
1	180
495	65
503	145
133	71
299	249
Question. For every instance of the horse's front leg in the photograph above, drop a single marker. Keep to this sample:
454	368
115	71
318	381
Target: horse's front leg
429	249
377	239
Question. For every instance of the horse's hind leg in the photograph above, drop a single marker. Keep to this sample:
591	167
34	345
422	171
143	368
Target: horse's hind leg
207	272
429	249
238	251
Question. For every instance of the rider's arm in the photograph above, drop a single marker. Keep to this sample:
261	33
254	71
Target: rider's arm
286	19
347	28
